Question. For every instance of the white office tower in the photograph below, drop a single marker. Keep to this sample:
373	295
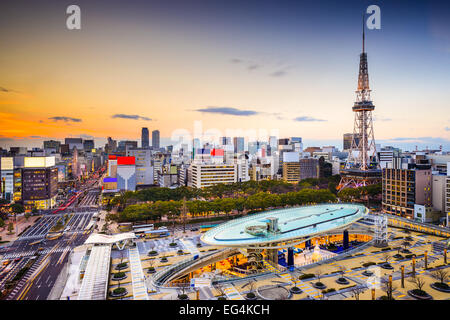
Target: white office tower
274	162
335	165
202	175
273	142
242	170
228	153
157	169
386	155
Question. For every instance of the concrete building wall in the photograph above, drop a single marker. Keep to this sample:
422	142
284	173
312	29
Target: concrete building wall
126	177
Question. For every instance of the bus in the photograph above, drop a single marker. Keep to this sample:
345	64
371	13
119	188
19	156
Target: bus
160	233
36	242
54	235
151	226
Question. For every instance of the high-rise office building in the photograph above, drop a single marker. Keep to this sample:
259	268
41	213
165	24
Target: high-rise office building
225	141
347	141
74	143
143	162
202	175
405	185
52	144
144	138
39	182
88	145
239	144
155	139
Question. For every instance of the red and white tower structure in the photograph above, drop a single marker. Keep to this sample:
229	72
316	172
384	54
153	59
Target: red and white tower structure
362	168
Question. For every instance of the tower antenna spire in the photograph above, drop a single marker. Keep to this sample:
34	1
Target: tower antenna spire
364	34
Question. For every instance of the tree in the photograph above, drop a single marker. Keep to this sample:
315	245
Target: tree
441	275
419	283
406	245
341	270
2	223
388	287
318	273
10	227
386	257
27	216
357	291
17	208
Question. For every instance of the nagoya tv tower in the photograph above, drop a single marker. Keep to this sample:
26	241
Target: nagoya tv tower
362	168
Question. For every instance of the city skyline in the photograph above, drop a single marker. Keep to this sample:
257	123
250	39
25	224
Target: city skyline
295	72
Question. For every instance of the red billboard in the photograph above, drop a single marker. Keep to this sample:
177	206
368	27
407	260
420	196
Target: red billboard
217	152
125	161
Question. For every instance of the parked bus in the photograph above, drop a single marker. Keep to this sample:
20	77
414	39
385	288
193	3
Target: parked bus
154	233
151	226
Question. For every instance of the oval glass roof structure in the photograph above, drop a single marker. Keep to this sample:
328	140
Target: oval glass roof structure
284	224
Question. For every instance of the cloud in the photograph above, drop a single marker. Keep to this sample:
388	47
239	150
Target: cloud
279	73
253	67
130	117
3	89
228	111
35	137
236	60
430	140
447	128
308	119
65	119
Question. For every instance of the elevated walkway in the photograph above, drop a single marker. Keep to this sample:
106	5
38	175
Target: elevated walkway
137	276
95	280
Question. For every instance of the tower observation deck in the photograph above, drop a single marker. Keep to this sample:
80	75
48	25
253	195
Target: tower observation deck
362	168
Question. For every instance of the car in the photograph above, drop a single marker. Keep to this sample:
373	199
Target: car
194	229
18	259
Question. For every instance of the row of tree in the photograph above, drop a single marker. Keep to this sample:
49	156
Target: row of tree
258	201
232	190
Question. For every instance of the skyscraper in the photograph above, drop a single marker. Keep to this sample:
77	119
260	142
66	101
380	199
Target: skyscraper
361	168
155	139
144	138
239	144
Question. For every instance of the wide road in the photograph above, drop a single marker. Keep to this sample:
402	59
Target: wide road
52	255
40	286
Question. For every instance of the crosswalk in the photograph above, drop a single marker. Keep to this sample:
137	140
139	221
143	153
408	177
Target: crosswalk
190	246
24	279
232	293
304	286
33	252
269	267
